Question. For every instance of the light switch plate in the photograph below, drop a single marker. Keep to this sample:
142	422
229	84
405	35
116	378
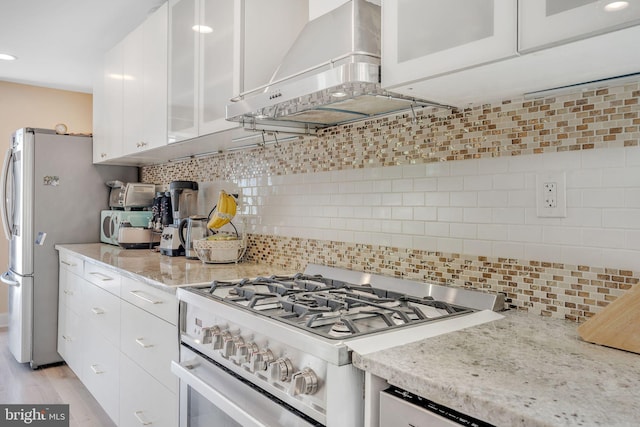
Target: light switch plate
551	195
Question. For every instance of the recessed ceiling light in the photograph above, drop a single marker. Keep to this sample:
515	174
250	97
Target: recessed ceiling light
616	5
202	29
7	57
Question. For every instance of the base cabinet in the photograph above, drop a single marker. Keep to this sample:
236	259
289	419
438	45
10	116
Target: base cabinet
119	337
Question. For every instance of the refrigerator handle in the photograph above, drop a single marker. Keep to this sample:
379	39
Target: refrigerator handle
5	279
6	169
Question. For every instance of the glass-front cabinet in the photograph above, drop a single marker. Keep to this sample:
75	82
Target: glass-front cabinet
544	23
425	38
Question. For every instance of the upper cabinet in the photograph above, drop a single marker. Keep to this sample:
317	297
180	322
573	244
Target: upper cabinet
425	38
462	54
550	22
219	48
130	95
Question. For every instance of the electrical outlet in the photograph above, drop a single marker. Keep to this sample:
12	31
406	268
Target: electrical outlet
551	195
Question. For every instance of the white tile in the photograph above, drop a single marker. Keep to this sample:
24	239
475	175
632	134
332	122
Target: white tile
415	228
381	186
521	198
413	199
477	215
574	199
381	212
372	174
478	182
582	217
629	177
389	226
490	199
354	224
584	178
401	185
392	199
438	169
451	183
603	198
508	215
372	225
561	235
464	167
392	172
425	184
401	241
596	159
464	198
622	259
401	213
450	214
549	253
492	166
580	255
621	218
477	247
363	212
604	238
425	213
425	243
492	232
632	198
450	245
346	211
632	156
512	181
508	250
525	233
414	171
437	229
436	199
463	231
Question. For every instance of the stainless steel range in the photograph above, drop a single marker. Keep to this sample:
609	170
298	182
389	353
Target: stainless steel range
276	351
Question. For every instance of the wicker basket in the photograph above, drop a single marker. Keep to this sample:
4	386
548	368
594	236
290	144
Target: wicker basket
219	251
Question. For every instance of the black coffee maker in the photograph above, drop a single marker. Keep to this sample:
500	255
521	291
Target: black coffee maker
183	203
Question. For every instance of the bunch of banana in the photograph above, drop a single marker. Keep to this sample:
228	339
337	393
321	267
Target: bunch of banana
225	211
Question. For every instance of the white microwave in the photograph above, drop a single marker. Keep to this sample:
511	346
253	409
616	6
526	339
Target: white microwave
110	221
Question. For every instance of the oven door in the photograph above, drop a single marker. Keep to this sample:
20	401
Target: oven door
209	392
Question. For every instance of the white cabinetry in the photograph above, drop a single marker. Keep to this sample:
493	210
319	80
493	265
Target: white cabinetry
545	23
132	93
425	38
217	49
447	56
145	85
119	336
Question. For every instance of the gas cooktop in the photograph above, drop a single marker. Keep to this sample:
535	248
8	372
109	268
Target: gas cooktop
334	309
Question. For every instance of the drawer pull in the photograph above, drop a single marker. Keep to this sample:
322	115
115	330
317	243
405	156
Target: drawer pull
97	310
146	297
70	264
142	344
68	292
95	369
104	277
67	338
138	415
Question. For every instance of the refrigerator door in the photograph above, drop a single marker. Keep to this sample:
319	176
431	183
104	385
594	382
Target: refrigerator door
20	315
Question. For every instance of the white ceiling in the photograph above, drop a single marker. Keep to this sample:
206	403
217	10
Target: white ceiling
60	43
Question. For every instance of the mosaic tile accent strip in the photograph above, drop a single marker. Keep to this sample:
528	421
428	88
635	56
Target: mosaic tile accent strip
607	117
549	289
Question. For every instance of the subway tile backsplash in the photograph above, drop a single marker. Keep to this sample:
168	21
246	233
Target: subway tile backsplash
451	197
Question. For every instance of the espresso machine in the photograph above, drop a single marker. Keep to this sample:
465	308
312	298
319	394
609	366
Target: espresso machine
184	203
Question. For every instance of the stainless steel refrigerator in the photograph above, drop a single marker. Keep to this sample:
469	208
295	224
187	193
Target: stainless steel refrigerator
51	193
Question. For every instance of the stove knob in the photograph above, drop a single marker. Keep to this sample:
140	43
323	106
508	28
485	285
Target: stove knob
218	339
243	351
304	382
209	333
228	346
281	369
260	360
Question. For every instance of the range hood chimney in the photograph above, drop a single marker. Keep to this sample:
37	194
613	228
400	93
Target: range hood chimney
330	76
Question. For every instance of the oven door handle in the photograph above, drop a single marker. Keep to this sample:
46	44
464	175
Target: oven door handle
184	372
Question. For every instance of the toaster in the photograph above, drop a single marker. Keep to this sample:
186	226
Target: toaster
132	195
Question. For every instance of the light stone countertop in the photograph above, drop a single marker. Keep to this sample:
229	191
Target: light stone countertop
164	272
523	370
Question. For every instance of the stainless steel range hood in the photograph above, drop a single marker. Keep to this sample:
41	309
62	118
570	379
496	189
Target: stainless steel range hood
330	76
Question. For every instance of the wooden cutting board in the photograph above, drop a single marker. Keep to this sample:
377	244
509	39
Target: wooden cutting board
618	325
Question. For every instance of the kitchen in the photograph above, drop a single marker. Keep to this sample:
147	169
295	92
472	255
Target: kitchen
450	197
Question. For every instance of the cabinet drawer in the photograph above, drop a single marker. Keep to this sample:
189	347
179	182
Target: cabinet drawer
101	373
143	400
155	301
102	313
70	291
102	277
70	340
151	342
70	263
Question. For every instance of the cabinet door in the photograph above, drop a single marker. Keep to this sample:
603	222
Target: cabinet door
143	400
219	65
113	102
425	38
543	23
183	69
133	98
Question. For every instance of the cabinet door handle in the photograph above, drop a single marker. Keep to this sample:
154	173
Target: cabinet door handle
68	292
146	297
95	369
97	310
138	415
67	338
142	344
70	264
105	278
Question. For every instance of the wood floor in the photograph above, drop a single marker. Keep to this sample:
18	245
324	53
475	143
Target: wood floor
56	384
